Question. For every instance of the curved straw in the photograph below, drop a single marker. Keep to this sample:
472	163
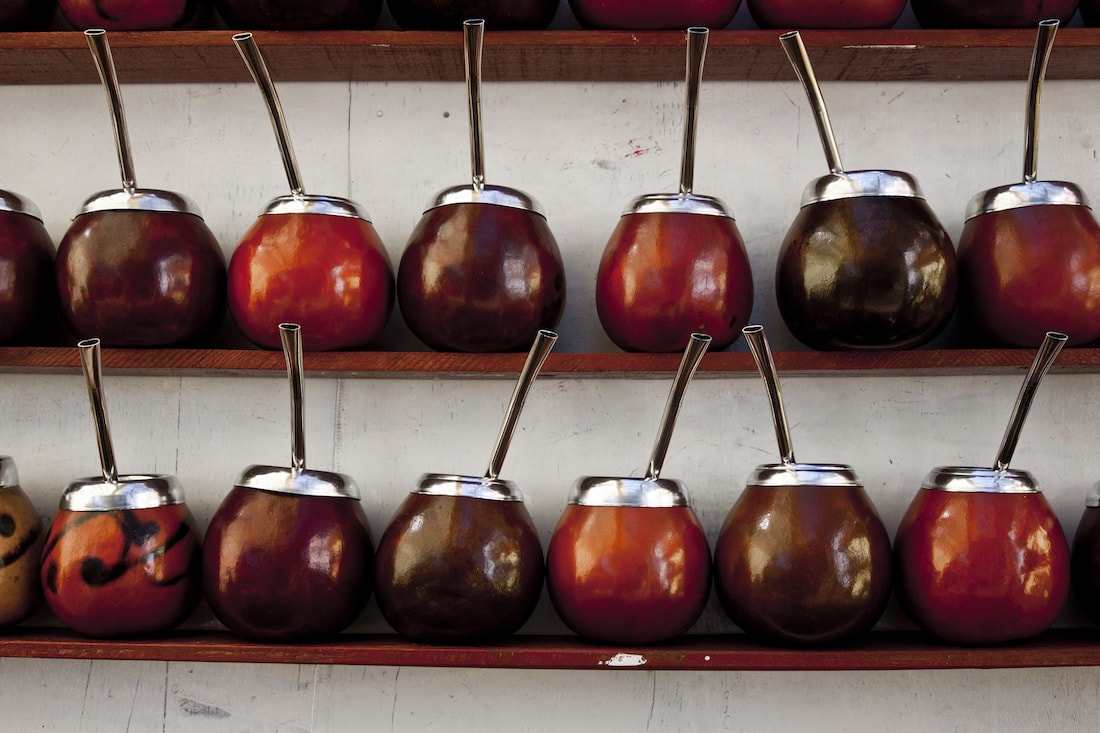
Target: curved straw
256	66
544	341
291	336
101	52
1048	352
693	354
473	38
696	54
1044	42
796	52
93	376
762	353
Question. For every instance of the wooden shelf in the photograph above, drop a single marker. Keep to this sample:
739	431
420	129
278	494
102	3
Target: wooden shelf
419	364
879	651
567	55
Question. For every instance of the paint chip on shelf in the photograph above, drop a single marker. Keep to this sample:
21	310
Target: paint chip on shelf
625	660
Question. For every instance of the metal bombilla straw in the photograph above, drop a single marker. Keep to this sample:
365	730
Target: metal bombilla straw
473	40
540	349
254	60
101	53
1048	352
90	362
800	60
291	336
765	363
696	54
693	354
1044	42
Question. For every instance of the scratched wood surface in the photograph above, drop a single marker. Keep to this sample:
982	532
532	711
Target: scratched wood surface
555	55
584	148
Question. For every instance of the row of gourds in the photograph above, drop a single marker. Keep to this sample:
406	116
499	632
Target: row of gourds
802	557
865	265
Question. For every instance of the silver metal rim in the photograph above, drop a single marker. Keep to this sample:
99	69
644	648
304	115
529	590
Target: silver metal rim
304	482
1019	195
486	194
141	199
311	204
678	203
135	491
854	184
982	480
474	487
804	474
17	204
9	476
629	492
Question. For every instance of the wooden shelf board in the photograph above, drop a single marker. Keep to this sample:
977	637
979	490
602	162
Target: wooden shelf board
62	57
879	651
381	364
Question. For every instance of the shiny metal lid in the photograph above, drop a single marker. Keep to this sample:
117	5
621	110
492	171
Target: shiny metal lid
305	203
135	491
140	199
974	479
474	487
486	194
1018	195
17	204
804	474
9	476
678	203
635	492
852	184
300	482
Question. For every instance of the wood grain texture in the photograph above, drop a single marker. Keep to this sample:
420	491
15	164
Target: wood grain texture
406	364
880	651
558	55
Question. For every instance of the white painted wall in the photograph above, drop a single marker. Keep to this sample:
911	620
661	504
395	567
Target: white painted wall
584	150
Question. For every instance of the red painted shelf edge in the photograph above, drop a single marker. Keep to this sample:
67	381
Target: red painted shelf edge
249	362
879	651
61	57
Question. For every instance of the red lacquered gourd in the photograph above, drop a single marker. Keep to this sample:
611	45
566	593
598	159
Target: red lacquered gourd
138	267
313	260
460	560
980	556
122	572
982	565
628	562
676	263
28	296
481	271
803	558
1029	254
123	554
629	574
289	553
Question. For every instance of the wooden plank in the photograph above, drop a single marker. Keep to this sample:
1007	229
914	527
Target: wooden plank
879	651
430	364
736	55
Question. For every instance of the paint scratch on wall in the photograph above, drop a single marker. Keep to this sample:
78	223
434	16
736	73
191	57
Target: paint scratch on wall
202	710
641	146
